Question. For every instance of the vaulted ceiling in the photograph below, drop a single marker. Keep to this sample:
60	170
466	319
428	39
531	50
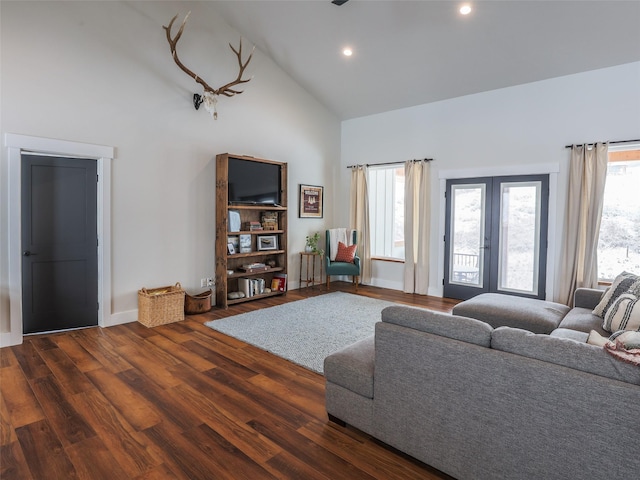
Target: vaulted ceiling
409	53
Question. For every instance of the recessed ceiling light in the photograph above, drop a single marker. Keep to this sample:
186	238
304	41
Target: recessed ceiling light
465	9
347	52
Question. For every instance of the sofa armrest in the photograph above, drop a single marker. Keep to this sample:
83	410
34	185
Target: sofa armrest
587	298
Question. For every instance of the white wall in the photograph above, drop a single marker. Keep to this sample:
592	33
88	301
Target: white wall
101	73
518	129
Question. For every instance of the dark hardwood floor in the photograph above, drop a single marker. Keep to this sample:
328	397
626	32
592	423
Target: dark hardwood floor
180	401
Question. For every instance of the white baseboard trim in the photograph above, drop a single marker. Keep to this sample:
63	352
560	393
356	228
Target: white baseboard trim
435	291
121	318
7	339
383	283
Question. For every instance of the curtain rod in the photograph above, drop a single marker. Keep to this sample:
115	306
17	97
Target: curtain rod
610	143
392	163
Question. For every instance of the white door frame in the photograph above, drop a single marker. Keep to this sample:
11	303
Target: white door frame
16	145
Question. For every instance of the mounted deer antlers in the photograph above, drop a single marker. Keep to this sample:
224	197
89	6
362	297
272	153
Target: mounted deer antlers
210	97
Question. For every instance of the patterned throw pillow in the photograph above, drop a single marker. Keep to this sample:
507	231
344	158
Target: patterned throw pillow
620	285
626	339
345	254
624	313
619	306
625	346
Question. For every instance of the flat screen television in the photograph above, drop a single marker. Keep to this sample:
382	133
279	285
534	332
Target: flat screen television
252	183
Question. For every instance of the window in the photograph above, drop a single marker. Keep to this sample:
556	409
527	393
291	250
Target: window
619	242
386	212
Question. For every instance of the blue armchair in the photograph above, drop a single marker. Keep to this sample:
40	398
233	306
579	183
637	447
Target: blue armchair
341	268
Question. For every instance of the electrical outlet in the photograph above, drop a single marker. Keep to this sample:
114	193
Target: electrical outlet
209	282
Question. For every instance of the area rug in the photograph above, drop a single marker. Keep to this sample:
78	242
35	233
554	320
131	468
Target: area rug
306	331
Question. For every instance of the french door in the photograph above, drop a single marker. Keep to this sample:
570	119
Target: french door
496	236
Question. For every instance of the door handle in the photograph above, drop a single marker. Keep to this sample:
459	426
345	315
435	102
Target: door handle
28	253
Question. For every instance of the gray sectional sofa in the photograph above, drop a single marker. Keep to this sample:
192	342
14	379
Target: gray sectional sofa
479	402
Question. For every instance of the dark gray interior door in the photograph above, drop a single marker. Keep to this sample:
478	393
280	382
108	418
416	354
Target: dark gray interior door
59	243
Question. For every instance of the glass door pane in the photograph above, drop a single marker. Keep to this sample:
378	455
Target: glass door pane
519	237
466	257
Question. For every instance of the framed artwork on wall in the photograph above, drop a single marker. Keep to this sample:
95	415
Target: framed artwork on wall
311	201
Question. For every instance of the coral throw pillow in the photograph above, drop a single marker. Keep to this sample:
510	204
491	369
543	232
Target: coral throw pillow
345	254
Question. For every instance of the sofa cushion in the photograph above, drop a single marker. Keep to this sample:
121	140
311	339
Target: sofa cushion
570	334
582	320
621	284
352	367
561	351
459	328
500	310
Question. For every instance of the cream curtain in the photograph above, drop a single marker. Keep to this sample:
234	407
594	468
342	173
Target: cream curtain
359	219
587	177
416	227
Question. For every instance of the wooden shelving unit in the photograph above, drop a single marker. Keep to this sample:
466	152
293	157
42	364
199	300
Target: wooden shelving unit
225	261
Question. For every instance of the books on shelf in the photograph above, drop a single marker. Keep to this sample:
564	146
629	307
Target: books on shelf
253	267
252	226
251	286
270	220
279	282
244	287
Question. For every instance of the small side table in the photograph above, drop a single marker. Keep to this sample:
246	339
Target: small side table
310	273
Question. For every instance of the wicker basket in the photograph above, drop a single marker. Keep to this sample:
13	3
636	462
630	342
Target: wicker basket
200	303
159	306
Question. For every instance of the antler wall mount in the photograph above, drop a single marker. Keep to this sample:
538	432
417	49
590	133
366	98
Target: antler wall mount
210	95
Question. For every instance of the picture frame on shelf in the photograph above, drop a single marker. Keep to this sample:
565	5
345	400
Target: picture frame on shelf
235	241
245	243
231	249
311	201
234	220
267	242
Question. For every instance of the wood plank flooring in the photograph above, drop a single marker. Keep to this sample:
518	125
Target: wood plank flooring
180	401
